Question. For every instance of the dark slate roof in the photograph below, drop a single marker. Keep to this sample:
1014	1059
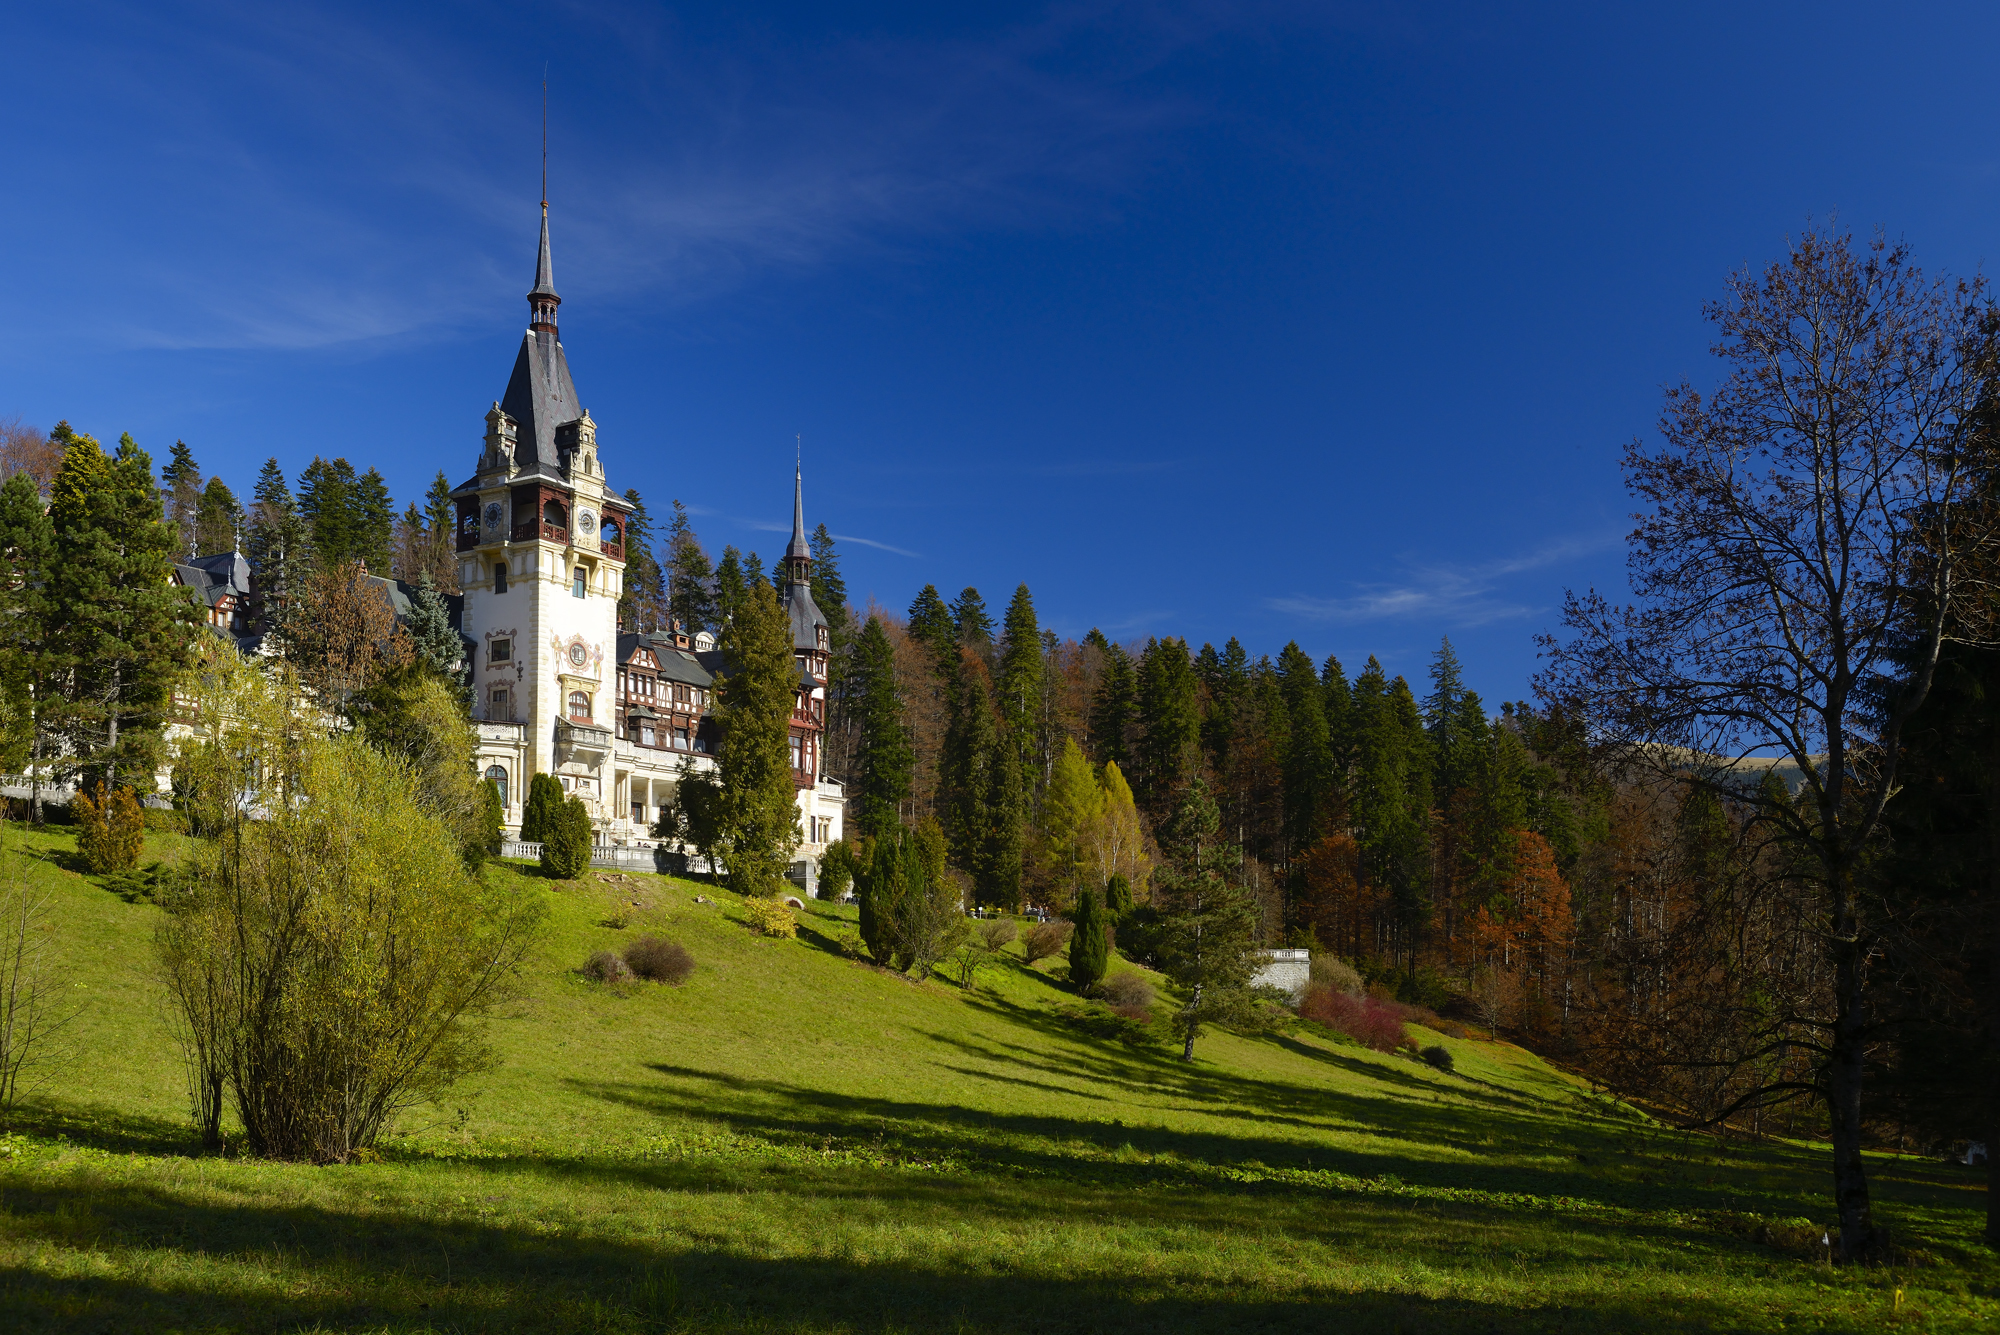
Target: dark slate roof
805	616
213	577
675	664
540	398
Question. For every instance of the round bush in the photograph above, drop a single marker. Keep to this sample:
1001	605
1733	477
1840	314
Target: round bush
660	960
1436	1055
1128	993
605	967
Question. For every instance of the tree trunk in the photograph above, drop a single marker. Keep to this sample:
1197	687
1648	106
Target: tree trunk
1843	1086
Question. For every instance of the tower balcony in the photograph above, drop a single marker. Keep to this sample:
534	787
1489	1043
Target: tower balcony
584	741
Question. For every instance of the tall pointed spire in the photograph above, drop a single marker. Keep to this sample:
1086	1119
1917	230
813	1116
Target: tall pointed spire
542	301
798	552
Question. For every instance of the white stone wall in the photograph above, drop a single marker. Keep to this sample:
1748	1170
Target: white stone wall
1287	969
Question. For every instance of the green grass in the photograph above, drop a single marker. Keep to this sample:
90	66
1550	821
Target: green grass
796	1141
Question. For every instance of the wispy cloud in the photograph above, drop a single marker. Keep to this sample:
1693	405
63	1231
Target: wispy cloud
879	546
1456	595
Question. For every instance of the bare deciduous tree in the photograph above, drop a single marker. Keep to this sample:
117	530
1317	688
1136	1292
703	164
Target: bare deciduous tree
1776	564
27	449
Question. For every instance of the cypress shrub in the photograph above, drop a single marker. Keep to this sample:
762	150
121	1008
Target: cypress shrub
110	830
566	845
1088	954
545	801
1118	896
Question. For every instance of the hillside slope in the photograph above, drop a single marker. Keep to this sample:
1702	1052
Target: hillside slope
797	1140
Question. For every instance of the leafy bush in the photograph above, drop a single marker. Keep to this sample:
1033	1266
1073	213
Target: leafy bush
110	829
997	932
837	867
1369	1021
166	820
1045	939
605	967
1437	1056
659	960
1129	993
771	917
566	844
1336	973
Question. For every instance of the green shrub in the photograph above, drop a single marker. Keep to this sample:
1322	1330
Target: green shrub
997	932
836	870
545	802
1129	993
166	820
566	844
1438	1056
111	829
1087	951
1117	896
1333	972
1044	939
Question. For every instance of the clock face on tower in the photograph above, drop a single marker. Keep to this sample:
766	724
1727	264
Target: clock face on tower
586	521
493	516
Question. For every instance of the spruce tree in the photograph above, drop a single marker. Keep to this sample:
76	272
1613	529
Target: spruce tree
971	620
999	881
218	520
931	625
327	505
1021	679
538	813
1308	756
885	761
181	480
690	579
829	590
279	553
436	644
1339	703
1169	722
374	521
1089	954
1114	707
642	606
730	587
31	656
1207	925
125	632
754	702
965	780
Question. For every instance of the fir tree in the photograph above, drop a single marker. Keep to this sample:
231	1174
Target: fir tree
218	520
539	812
125	632
436	644
972	622
181	479
1207	924
374	521
1088	951
1169	721
931	625
829	590
755	698
885	761
327	504
1308	756
1021	679
690	579
1114	707
730	586
999	881
1339	702
965	781
279	554
30	653
643	604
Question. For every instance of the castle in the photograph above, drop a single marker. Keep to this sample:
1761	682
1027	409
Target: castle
617	718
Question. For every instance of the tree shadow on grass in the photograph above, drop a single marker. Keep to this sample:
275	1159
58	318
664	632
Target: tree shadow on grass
114	1255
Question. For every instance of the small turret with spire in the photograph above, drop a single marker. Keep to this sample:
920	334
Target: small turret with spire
798	552
809	626
542	302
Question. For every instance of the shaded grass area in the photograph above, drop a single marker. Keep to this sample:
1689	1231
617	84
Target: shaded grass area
796	1141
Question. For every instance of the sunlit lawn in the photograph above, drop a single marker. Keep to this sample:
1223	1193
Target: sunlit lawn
797	1141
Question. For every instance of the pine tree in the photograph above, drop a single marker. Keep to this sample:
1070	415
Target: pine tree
643	604
878	888
931	625
755	698
30	653
1339	703
885	761
124	632
374	521
218	520
440	547
690	579
539	812
829	590
328	505
1169	722
1115	706
1088	951
279	554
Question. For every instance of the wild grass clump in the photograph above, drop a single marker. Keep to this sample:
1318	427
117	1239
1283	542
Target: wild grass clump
1044	939
998	932
659	960
605	967
1130	994
1369	1021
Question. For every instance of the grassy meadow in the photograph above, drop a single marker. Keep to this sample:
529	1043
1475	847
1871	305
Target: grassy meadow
796	1141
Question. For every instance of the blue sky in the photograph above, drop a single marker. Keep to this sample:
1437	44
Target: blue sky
1321	322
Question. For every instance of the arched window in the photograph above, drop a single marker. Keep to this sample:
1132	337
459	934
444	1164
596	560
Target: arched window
553	513
497	776
579	706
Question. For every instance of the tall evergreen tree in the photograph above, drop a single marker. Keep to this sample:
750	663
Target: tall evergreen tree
965	781
1000	864
1089	953
181	480
931	625
642	606
1115	707
125	631
374	521
218	520
278	550
1308	756
1021	680
690	579
755	698
435	643
1169	722
328	505
829	590
972	621
1456	747
1208	923
885	762
30	653
731	585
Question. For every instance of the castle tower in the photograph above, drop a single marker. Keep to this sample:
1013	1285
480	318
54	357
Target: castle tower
542	561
